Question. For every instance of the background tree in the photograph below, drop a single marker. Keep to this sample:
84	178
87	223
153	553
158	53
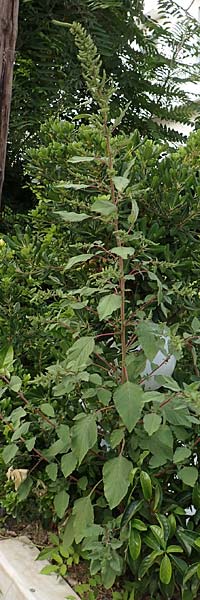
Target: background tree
48	78
8	34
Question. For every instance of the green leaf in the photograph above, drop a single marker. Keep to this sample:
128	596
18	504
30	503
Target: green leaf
146	485
128	399
30	443
104	207
80	159
173	549
61	502
123	251
81	350
190	572
116	478
147	562
158	534
138	524
195	325
71	217
130	511
57	447
6	358
20	431
134	544
181	454
9	452
83	514
68	536
52	471
68	463
63	433
107	305
168	382
47	409
15	383
104	396
48	569
134	212
116	437
24	489
84	435
152	422
76	260
165	572
188	475
120	183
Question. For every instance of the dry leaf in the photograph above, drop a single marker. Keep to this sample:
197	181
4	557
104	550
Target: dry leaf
17	475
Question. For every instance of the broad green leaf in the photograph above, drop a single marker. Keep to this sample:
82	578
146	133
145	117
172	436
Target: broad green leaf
116	478
120	183
175	549
24	489
6	358
68	535
190	572
130	511
68	463
123	251
52	471
116	437
20	431
158	534
84	435
71	217
83	514
16	415
104	396
181	454
188	475
147	562
161	445
77	260
134	544
107	305
15	383
104	207
195	325
81	350
30	443
61	502
138	524
48	569
165	572
79	159
149	339
128	399
63	433
9	452
47	409
152	422
168	382
57	447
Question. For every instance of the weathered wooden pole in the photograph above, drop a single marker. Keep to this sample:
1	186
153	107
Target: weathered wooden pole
9	10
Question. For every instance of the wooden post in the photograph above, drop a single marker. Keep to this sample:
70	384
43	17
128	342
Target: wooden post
9	10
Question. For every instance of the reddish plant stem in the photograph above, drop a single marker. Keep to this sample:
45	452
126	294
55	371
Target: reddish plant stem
114	197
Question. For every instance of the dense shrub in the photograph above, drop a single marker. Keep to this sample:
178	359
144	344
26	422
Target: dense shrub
104	274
